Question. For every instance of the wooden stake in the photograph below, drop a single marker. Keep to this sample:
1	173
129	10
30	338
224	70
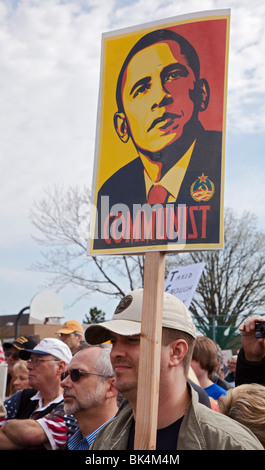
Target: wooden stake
150	352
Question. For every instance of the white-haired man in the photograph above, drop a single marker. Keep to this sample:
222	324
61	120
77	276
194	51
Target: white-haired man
35	417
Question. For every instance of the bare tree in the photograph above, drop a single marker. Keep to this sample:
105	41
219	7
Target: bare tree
232	285
61	219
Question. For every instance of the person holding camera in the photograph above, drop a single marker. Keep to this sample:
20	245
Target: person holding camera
251	358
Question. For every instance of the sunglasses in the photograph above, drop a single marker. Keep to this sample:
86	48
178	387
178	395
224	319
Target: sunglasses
76	374
14	355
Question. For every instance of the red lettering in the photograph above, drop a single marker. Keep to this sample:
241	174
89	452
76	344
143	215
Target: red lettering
160	225
177	223
136	232
172	222
194	233
106	223
148	226
166	223
184	218
119	220
204	210
128	228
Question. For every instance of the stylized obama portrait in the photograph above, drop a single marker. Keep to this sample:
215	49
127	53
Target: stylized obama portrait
160	96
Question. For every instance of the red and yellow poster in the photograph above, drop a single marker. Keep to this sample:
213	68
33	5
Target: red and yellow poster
160	150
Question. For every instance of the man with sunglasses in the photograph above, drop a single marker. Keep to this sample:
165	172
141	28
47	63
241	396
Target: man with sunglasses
35	417
89	393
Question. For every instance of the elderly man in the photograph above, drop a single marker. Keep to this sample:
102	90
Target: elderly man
89	393
183	423
35	417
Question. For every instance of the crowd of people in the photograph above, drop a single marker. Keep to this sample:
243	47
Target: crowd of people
78	391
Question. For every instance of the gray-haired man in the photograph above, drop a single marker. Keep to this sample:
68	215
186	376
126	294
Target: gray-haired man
89	393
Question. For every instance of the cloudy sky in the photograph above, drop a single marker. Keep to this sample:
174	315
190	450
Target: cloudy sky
49	79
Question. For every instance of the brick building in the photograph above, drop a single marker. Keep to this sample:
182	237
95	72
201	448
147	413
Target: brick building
45	330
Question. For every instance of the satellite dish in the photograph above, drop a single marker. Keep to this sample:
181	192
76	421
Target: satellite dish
44	305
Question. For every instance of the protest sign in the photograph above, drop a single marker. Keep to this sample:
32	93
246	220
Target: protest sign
182	281
160	146
158	182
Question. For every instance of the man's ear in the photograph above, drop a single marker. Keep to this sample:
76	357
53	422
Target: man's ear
110	389
61	367
178	349
121	126
200	95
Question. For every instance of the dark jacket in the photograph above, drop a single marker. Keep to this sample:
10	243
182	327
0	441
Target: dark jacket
249	372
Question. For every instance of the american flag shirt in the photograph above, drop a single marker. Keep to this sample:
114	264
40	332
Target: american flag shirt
2	354
57	426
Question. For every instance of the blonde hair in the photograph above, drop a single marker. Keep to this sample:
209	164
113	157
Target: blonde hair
246	404
20	366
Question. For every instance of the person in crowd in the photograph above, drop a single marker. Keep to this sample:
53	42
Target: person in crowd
20	379
218	375
250	367
89	393
183	423
204	362
35	417
72	334
202	395
231	376
12	357
246	404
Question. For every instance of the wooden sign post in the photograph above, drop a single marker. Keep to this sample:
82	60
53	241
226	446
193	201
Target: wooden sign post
150	351
122	219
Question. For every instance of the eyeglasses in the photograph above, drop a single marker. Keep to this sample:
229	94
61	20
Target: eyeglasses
63	335
76	374
13	355
37	360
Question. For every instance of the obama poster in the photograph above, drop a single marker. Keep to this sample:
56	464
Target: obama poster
158	180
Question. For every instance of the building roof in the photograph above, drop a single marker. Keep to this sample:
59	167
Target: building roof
6	320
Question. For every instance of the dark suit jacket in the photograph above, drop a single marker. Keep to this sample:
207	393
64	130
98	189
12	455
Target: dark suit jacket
127	186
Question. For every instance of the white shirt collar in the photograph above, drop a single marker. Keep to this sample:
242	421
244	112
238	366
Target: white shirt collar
38	396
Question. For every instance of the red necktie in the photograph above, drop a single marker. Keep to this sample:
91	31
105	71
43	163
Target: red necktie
157	195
